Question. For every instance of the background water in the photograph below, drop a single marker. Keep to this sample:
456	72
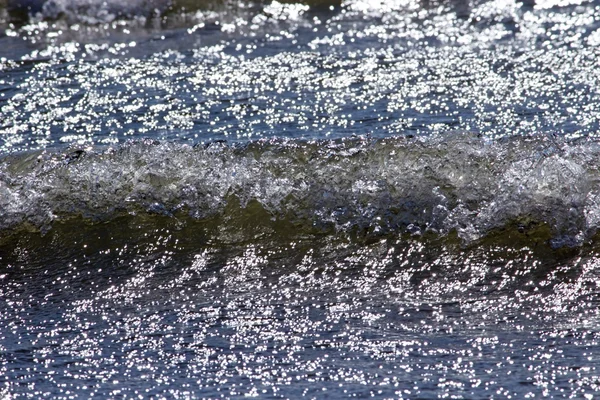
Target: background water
356	199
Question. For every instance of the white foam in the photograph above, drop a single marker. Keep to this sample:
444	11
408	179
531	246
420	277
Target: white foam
457	183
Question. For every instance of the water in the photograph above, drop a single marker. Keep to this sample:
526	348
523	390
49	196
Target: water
365	199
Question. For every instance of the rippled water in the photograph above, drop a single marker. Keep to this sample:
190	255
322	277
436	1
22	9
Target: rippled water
358	199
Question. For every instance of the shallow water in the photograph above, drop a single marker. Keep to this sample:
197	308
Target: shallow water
372	199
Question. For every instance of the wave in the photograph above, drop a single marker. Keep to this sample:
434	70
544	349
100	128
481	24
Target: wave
458	185
52	26
102	11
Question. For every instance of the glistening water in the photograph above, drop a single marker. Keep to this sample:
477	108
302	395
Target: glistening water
389	199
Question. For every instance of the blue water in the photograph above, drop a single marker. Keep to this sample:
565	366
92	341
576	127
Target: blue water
283	71
365	199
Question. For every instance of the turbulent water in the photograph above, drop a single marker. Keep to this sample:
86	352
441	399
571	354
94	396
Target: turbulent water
280	200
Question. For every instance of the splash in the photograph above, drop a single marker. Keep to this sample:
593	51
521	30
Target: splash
453	184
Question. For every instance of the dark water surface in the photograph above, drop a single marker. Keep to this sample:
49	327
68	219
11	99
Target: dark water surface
366	199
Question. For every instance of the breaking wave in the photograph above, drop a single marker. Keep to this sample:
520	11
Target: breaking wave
106	11
457	184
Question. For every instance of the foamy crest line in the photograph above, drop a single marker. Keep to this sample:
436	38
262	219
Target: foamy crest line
458	182
91	11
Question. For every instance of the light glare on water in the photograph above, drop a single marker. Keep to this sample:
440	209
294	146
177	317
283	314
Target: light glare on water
496	68
391	199
392	318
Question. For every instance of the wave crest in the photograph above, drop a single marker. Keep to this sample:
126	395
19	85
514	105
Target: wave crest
456	183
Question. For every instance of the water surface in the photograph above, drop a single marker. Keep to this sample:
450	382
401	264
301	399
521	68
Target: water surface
365	199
